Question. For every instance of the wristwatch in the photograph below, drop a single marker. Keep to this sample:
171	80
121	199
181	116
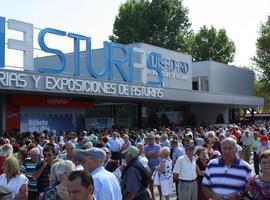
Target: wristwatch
239	194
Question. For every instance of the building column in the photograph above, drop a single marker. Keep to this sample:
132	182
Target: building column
139	114
252	115
3	111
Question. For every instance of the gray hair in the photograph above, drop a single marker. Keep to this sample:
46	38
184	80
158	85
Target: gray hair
70	143
87	145
35	150
6	150
139	144
60	168
53	177
165	151
229	140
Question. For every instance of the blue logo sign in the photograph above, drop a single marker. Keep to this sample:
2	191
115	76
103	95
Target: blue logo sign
122	64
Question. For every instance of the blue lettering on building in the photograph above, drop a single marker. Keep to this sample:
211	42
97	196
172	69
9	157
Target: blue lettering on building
2	42
122	65
60	54
157	63
153	63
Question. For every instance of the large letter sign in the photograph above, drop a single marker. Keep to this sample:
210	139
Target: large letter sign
118	59
2	42
57	52
26	45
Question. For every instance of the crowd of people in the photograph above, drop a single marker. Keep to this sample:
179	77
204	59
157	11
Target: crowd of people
196	164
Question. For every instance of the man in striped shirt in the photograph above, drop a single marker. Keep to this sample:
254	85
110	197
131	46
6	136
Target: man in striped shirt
226	177
27	168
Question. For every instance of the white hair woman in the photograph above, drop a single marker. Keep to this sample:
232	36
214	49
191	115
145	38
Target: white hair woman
59	176
5	151
165	170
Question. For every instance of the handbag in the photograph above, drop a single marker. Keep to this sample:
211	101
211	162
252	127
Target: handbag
155	178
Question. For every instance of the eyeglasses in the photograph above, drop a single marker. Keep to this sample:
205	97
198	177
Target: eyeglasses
150	138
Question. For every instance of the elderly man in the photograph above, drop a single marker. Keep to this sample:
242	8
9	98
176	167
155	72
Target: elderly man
27	168
152	152
184	172
134	178
115	146
246	140
106	184
226	177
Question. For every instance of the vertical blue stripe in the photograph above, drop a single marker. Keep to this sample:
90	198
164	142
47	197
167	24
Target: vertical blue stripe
2	42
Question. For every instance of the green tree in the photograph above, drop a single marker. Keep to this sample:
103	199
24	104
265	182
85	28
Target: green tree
262	90
162	23
262	58
212	44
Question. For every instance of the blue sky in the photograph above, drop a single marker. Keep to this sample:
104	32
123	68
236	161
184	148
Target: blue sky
240	18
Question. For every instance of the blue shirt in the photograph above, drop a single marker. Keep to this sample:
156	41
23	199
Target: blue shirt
114	144
153	162
106	185
177	152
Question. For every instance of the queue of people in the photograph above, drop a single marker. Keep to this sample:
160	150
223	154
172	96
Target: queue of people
194	164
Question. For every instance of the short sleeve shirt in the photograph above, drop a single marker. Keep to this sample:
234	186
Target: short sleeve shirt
43	181
153	162
15	183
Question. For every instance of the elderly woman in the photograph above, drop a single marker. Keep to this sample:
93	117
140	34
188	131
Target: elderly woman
12	179
60	171
258	187
59	175
5	151
165	170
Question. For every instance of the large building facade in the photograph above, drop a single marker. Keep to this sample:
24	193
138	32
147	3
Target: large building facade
136	85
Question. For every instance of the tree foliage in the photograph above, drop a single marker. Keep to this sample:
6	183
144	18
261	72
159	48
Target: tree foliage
212	44
262	58
262	90
162	23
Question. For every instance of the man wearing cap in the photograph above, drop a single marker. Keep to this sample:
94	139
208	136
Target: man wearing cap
106	184
185	172
134	178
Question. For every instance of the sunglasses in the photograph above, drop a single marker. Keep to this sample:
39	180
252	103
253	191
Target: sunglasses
47	155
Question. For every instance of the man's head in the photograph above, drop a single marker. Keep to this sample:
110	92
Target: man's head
49	154
190	148
34	154
131	153
41	138
80	185
228	149
91	158
70	148
151	139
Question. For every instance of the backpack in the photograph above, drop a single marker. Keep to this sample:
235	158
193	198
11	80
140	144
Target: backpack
144	173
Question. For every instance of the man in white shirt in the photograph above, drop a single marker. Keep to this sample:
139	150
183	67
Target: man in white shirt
115	146
246	140
185	172
106	184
